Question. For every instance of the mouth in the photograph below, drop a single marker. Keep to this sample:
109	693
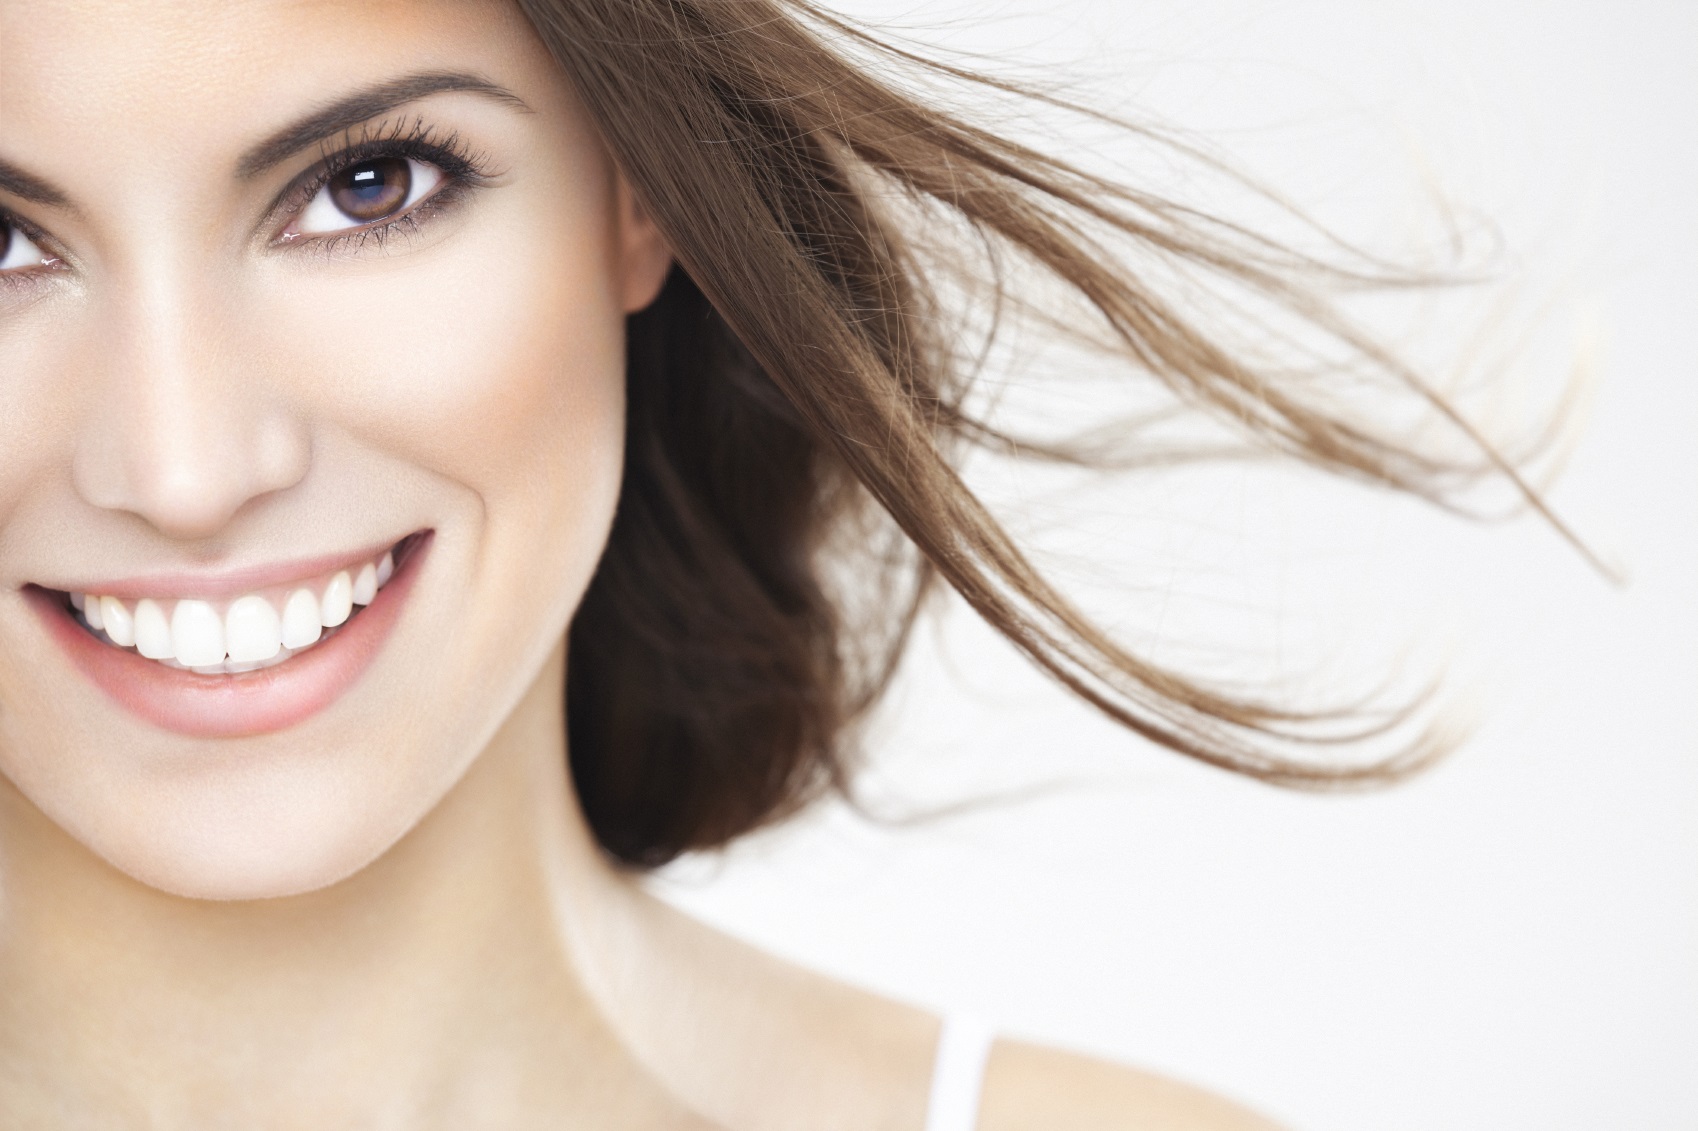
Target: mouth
247	663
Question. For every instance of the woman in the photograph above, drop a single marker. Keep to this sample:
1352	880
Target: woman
348	355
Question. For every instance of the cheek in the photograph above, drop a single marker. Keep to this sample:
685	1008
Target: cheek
480	381
493	364
496	365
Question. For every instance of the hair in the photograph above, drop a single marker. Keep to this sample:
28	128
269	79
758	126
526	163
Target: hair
793	387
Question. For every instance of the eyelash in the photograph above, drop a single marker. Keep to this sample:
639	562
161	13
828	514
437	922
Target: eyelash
23	277
462	171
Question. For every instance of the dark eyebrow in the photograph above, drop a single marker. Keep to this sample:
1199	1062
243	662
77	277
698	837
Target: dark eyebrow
32	188
363	105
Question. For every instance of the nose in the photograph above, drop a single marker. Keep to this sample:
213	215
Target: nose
182	428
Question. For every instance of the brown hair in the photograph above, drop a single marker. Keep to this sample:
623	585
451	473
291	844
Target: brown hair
794	368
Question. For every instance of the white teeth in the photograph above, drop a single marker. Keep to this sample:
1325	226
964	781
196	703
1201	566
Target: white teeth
365	585
232	667
252	631
248	636
301	623
153	633
197	634
116	619
338	600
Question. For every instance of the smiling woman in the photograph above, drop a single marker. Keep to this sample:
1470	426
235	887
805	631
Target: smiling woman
386	378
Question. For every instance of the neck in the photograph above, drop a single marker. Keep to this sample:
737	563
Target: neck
447	974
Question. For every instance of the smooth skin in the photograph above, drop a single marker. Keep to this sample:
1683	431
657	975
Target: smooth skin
391	914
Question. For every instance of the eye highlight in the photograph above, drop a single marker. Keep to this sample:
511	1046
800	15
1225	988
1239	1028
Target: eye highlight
368	192
391	179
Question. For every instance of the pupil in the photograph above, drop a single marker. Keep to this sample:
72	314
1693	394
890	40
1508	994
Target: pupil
372	190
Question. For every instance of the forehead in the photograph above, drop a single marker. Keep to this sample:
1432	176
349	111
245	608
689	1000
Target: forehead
160	75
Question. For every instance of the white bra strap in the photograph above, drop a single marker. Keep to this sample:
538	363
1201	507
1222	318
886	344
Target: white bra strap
958	1074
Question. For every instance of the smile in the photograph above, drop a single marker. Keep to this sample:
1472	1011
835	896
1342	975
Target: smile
264	656
255	631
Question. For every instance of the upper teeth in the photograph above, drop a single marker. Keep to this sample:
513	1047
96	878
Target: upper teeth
251	633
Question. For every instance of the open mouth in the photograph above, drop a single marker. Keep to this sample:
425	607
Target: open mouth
257	660
254	631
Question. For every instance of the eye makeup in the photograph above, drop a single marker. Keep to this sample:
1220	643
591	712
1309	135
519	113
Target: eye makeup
22	257
368	182
380	163
395	178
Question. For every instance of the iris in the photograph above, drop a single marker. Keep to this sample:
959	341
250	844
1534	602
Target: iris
371	190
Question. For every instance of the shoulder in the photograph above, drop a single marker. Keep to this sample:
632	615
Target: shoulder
1028	1086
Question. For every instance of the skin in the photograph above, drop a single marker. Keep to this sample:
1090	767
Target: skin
390	914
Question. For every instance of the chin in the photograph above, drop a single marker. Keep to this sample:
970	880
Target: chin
261	836
252	873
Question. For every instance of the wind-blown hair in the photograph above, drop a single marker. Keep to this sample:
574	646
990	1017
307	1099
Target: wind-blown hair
793	383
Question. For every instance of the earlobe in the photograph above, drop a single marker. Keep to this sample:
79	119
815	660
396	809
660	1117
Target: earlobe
644	257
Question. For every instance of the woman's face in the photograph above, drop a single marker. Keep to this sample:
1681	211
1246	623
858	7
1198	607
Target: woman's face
295	297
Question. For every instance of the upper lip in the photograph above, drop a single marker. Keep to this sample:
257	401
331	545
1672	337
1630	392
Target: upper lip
235	581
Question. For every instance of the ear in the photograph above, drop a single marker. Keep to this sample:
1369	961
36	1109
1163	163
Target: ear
644	258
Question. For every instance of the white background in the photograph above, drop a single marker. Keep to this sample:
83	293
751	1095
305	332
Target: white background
1509	942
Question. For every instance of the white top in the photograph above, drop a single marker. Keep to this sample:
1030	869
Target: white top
958	1074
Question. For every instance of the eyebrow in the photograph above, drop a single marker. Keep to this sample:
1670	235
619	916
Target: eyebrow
31	187
360	106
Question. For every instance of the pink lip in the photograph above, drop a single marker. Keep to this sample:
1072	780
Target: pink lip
235	706
225	584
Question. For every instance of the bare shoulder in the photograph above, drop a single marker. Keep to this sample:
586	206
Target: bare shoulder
1029	1086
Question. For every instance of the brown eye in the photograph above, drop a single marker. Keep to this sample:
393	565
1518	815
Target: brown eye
366	193
371	190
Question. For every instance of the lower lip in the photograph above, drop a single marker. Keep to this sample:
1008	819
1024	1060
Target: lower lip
235	706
